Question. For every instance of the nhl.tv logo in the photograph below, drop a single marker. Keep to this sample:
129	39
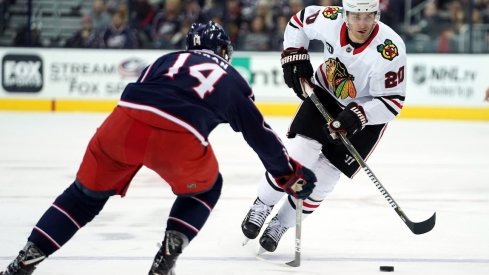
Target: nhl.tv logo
22	73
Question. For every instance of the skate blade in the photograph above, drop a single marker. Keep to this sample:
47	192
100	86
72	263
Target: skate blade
245	241
261	251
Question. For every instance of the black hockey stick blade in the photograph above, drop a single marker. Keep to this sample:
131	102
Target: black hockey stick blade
422	227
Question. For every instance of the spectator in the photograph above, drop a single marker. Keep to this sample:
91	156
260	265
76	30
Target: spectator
233	20
3	14
391	13
123	9
118	35
28	37
456	14
257	39
85	37
277	38
112	6
213	7
424	34
484	8
280	7
329	3
295	6
178	40
142	16
166	24
248	8
193	12
215	16
479	39
447	40
263	10
100	17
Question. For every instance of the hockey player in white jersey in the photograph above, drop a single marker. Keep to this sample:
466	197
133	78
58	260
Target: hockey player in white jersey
361	83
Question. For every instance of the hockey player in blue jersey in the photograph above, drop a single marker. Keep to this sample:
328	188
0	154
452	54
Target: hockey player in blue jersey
162	122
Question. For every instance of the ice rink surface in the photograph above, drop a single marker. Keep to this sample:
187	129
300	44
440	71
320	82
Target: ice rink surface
427	166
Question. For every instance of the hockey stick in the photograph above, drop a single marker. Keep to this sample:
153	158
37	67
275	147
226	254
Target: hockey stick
298	224
415	227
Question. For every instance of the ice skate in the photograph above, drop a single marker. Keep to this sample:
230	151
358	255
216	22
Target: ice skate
255	219
165	259
26	261
272	235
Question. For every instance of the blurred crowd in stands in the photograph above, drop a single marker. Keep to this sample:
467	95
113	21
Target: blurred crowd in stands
258	25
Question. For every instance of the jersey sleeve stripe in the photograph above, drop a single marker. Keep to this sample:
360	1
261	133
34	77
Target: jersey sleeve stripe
292	25
297	21
388	106
398	104
398	100
303	11
400	97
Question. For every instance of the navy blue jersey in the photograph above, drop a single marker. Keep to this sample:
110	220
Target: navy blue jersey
199	90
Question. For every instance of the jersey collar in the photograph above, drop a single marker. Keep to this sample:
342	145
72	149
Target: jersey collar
344	41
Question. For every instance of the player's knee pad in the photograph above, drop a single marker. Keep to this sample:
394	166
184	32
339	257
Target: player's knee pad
189	213
70	211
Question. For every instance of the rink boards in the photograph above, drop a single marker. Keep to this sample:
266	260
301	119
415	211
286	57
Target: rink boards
438	86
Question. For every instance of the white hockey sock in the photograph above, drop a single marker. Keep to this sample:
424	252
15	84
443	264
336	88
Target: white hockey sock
268	192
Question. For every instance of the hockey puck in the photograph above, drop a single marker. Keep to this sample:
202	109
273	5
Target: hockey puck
386	268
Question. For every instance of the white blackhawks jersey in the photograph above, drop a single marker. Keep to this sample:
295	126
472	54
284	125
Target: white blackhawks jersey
372	75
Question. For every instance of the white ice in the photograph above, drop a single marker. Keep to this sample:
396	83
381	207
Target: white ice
427	166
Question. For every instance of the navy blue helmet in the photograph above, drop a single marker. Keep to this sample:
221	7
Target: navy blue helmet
209	36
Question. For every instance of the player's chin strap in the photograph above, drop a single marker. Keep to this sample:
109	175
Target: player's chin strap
415	227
